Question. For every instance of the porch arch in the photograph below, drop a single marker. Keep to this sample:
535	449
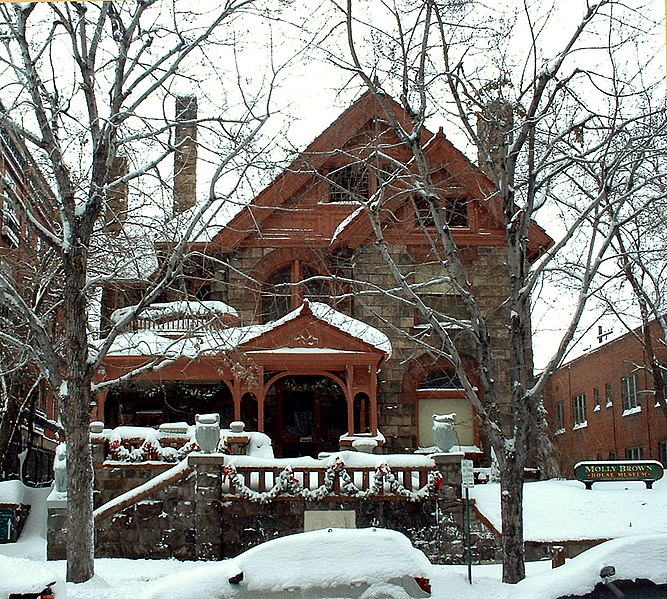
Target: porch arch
304	413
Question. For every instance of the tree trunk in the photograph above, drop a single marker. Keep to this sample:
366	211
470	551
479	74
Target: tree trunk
76	419
511	509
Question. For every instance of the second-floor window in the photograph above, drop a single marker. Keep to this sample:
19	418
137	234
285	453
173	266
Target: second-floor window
286	288
630	388
560	416
579	408
455	211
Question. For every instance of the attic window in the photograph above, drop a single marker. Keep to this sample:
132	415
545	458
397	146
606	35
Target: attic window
456	212
348	183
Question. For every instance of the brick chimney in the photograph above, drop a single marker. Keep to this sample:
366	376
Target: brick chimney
116	209
185	156
494	129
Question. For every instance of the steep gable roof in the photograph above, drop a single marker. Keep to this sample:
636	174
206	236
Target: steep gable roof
272	210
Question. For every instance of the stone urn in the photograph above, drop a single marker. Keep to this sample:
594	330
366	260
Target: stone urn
444	431
207	432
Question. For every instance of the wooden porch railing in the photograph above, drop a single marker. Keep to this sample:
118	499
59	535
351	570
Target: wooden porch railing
263	479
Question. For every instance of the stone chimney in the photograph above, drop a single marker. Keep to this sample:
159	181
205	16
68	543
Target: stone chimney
185	156
116	208
494	129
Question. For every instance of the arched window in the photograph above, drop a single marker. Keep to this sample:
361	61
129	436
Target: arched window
287	287
440	379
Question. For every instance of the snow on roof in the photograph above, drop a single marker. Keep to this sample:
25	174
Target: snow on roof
151	343
122	256
177	309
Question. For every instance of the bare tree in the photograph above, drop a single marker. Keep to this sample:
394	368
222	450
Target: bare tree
84	86
556	124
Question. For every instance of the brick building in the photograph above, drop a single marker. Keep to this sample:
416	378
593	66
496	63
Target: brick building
29	419
346	363
602	404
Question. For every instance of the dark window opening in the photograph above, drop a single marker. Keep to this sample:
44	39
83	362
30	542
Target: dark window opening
286	288
579	408
277	295
455	212
349	182
634	453
456	209
560	416
441	379
204	292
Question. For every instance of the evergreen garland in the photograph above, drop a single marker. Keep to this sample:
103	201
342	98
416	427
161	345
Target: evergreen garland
288	485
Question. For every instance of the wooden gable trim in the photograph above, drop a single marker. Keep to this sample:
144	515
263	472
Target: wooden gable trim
307	331
298	173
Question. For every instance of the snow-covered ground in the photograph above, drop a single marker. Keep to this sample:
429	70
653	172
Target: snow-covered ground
554	510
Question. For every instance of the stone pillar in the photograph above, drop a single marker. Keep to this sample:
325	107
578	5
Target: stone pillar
449	466
56	526
185	156
208	505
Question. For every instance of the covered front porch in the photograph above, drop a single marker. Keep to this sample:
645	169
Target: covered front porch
308	380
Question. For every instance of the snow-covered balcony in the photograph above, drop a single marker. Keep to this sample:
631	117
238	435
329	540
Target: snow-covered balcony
175	319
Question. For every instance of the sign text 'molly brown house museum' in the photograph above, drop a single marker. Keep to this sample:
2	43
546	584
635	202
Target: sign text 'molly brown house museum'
619	471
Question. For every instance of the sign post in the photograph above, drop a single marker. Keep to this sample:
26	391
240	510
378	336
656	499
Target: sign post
467	482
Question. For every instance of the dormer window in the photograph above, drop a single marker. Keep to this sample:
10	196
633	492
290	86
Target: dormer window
349	183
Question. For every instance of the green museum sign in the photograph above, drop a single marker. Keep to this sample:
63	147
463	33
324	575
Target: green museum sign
646	471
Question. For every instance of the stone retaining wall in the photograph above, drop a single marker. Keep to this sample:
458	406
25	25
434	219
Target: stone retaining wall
193	519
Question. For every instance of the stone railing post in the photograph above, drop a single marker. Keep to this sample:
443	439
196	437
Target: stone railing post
449	466
208	504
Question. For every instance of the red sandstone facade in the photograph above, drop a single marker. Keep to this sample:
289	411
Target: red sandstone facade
602	405
308	383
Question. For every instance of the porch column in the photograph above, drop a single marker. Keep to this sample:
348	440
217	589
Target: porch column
101	398
261	395
373	396
237	393
349	398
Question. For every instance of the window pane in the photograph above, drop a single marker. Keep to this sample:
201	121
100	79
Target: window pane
349	182
277	295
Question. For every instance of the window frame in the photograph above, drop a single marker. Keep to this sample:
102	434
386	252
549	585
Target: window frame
579	409
560	416
631	399
298	291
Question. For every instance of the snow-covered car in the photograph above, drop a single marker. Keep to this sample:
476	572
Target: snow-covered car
632	567
366	563
25	579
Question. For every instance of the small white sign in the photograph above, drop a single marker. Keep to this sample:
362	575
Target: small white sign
467	476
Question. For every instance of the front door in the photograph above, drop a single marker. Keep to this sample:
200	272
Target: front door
305	415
